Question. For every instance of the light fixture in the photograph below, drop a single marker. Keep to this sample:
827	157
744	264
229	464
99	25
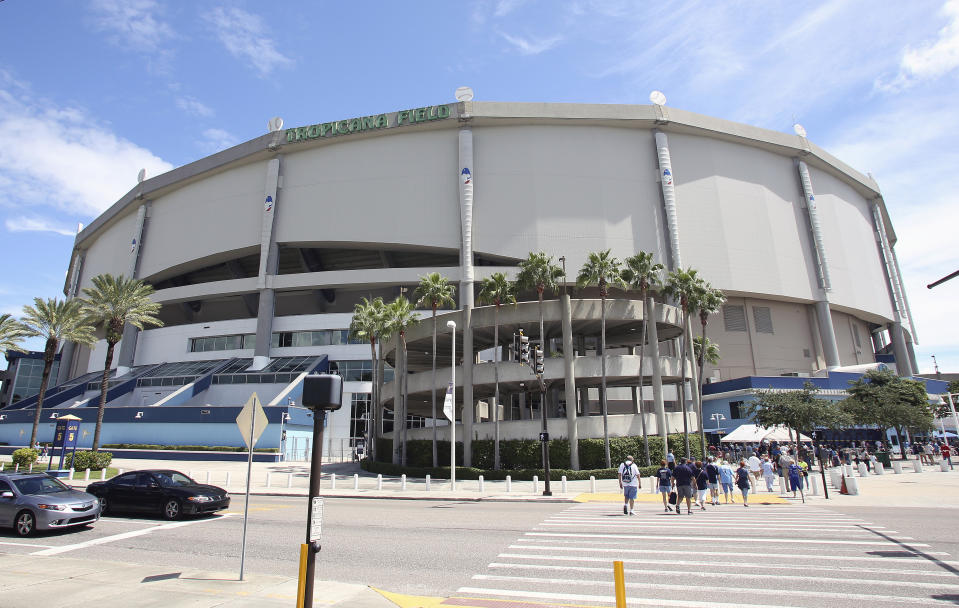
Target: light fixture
464	94
139	415
799	130
658	98
3	416
54	416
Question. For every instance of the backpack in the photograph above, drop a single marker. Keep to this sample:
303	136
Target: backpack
627	473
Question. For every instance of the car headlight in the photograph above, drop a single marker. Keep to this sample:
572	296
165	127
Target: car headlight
199	498
52	507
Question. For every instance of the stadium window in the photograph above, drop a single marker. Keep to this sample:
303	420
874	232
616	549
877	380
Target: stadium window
736	410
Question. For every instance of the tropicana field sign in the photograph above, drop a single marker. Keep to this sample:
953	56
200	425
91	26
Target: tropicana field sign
367	123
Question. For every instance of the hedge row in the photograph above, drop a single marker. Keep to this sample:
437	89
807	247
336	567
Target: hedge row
474	473
95	461
526	455
183	448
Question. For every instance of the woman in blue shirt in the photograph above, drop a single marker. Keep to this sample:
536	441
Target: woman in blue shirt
726	477
795	478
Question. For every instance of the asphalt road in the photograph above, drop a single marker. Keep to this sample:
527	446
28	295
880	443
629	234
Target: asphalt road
560	552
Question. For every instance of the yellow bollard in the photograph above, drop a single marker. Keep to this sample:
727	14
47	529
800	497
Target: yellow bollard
301	585
620	583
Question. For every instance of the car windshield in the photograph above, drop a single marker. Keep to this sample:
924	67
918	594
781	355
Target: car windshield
40	485
172	478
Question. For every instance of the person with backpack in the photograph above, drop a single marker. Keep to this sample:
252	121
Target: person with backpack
712	476
702	483
629	483
665	478
742	481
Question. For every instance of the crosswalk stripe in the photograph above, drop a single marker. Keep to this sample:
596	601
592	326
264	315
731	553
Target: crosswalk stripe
660	526
635	601
720	575
832	595
916	558
732	539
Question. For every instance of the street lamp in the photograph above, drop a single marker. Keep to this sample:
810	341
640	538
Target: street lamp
562	259
717	418
283	418
452	326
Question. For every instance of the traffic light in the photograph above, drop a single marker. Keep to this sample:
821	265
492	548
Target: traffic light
539	365
523	348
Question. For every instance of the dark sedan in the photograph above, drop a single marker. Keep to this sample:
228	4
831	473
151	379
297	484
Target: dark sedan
169	493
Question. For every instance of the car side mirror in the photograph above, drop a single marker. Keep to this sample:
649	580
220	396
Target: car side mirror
6	494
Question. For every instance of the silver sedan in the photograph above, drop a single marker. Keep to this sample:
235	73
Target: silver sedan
30	502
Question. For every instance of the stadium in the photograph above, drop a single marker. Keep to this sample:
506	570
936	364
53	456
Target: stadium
259	254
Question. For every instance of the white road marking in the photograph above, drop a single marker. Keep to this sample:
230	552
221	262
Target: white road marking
629	524
787	556
719	575
122	536
635	601
831	595
731	539
25	545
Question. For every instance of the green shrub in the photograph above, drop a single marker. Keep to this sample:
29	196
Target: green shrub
25	457
83	460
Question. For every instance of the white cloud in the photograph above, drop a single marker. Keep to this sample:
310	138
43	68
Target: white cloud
215	140
194	106
505	7
134	23
37	224
245	37
529	46
929	59
61	157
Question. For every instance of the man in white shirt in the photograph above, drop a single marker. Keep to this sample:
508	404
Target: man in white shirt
629	483
755	466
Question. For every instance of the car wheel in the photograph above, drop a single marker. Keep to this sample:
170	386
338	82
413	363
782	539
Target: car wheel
25	524
172	509
104	504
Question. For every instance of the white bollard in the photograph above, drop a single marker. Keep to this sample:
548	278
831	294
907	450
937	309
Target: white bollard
120	472
482	484
535	484
815	484
208	477
403	482
652	485
31	468
943	466
379	481
917	466
782	485
879	469
2	464
592	484
332	481
103	474
16	468
563	480
897	467
863	470
427	483
852	486
356	481
86	475
229	477
509	484
72	472
269	479
189	474
848	470
289	479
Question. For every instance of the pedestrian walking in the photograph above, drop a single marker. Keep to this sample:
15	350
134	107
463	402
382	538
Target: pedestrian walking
755	466
742	481
629	483
664	476
795	479
712	477
702	485
670	460
685	479
726	479
947	454
769	474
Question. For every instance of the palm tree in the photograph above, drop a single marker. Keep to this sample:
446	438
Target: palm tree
399	318
603	270
434	291
681	285
496	290
11	333
538	271
711	355
643	274
369	322
116	301
708	301
54	320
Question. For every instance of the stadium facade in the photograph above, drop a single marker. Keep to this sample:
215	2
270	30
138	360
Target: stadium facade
259	253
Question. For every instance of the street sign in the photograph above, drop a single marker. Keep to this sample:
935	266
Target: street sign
316	519
252	420
448	403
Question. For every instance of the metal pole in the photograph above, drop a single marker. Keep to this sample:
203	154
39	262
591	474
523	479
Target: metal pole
453	421
246	504
822	468
316	464
545	442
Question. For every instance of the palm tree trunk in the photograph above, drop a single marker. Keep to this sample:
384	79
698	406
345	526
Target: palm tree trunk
49	352
682	385
433	391
702	366
602	390
642	378
374	402
496	388
405	381
104	385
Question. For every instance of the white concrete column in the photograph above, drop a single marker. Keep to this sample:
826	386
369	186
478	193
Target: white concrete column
468	405
656	367
669	197
128	344
269	258
569	359
466	215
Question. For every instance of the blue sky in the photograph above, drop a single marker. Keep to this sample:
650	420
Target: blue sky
92	91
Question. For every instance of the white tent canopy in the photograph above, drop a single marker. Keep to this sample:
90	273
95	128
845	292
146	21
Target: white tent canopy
752	433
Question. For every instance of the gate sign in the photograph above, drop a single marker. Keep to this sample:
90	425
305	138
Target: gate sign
66	434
